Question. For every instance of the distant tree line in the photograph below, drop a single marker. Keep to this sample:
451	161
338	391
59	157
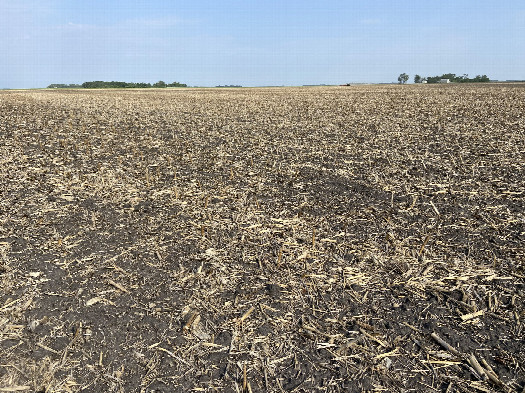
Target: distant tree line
228	86
63	86
115	85
128	85
453	78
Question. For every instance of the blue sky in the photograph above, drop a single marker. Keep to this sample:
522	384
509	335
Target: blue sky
251	43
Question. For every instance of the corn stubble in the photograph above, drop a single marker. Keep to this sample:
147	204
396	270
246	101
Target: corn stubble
263	240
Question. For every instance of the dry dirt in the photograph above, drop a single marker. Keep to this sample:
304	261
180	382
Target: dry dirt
331	239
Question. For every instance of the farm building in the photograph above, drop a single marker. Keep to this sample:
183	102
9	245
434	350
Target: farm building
444	81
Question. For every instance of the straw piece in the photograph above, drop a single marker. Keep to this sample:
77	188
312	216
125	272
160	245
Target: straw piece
475	364
445	345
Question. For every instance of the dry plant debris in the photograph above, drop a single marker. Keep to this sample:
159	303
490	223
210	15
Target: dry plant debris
356	239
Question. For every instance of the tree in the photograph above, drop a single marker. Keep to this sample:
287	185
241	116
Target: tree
63	86
160	84
177	84
451	77
481	78
403	78
418	79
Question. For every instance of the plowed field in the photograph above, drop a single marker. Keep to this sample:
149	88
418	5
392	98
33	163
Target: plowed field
335	239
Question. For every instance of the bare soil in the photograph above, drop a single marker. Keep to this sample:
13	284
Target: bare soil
335	239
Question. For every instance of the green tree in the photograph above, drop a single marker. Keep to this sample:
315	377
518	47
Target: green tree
403	78
160	84
177	84
481	78
418	79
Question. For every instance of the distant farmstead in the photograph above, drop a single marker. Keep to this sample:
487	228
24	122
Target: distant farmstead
444	81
